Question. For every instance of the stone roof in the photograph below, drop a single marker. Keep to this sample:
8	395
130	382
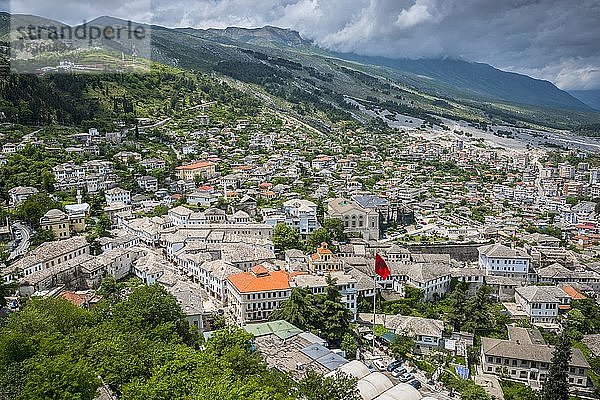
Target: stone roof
370	201
421	272
402	324
498	250
541	294
520	346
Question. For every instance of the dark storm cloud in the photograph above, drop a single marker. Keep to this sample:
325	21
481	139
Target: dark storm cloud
557	40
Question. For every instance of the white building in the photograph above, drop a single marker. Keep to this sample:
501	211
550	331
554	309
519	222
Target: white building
117	195
148	183
301	215
358	220
19	194
526	357
542	303
428	333
500	260
253	295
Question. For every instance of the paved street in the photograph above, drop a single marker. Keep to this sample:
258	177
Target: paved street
22	238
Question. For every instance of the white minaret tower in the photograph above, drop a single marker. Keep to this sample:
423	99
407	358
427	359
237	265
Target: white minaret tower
79	197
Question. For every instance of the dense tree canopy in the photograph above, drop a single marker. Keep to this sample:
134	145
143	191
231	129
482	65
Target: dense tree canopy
139	344
323	314
286	237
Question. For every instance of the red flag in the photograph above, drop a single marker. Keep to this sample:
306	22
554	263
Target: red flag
381	267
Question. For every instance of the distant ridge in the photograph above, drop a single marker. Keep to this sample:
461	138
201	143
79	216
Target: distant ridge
269	33
482	80
589	97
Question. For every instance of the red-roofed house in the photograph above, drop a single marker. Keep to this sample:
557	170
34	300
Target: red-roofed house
253	295
85	299
324	261
203	169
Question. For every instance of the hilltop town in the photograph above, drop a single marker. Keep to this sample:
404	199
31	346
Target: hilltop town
491	249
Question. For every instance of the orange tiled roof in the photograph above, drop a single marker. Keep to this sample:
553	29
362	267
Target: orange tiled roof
248	282
573	293
201	164
259	270
77	299
323	250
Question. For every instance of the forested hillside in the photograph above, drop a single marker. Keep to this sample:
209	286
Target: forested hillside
98	100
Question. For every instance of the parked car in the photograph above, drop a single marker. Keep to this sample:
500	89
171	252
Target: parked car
406	377
416	384
398	371
379	364
393	365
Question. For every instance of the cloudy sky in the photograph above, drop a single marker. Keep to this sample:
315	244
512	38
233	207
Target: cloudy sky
557	40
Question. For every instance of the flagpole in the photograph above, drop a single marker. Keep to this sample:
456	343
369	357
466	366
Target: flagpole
374	300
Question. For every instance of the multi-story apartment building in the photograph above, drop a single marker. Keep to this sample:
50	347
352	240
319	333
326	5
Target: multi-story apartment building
117	195
148	183
203	169
324	261
301	215
153	163
46	256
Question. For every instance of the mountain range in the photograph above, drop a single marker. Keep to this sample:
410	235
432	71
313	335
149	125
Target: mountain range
284	64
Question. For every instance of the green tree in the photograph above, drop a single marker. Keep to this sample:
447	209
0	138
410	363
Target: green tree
556	386
4	253
320	235
48	181
518	391
323	313
402	345
60	378
478	310
34	208
286	237
154	310
335	227
318	387
335	317
42	236
349	345
102	226
474	392
298	310
457	300
5	291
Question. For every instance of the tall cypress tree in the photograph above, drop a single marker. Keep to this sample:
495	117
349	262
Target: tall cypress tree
556	386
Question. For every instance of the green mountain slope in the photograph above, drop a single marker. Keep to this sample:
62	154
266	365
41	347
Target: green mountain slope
318	83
